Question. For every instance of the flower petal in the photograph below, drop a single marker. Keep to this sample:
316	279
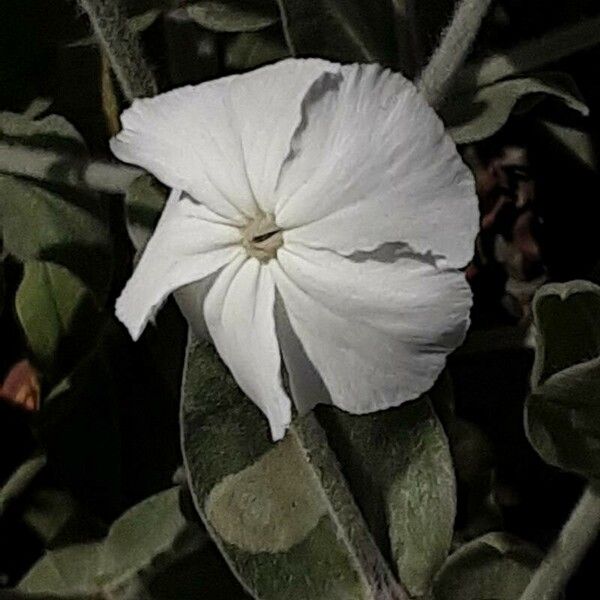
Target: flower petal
239	316
305	384
189	243
373	165
377	333
222	141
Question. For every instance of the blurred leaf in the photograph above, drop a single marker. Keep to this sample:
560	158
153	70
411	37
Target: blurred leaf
562	418
58	519
479	116
47	223
250	50
193	53
573	138
69	570
51	132
567	322
344	30
20	480
562	413
234	15
144	202
399	467
141	22
281	513
495	566
58	315
145	534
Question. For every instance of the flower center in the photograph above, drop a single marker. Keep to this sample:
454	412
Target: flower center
262	238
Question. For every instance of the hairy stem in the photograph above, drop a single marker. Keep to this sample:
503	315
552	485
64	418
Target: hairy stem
122	47
577	535
438	75
531	55
66	169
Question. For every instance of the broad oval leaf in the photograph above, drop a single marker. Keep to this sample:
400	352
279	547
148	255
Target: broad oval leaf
562	413
71	317
567	322
341	30
20	480
280	513
399	466
52	223
136	541
495	565
234	15
562	419
479	115
250	50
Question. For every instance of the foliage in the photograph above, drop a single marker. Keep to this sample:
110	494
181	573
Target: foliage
423	499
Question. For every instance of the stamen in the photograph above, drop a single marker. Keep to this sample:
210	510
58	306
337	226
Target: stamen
262	238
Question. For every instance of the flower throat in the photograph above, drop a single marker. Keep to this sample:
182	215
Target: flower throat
261	237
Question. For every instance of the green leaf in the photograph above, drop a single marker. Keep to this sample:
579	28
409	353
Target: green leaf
141	22
399	467
51	223
562	413
280	513
479	115
567	322
234	15
68	570
144	202
58	519
38	224
142	536
495	566
341	30
20	480
71	319
562	419
572	138
51	132
250	50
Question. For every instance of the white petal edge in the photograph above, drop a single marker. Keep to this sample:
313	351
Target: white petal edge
368	361
188	244
373	165
239	315
222	141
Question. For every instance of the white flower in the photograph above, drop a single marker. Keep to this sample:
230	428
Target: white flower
332	187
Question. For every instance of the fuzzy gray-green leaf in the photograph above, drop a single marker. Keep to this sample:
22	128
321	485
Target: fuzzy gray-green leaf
479	115
567	321
234	15
495	565
281	513
399	465
145	533
71	316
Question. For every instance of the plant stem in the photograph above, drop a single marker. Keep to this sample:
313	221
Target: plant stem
531	55
438	75
122	46
577	535
66	169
